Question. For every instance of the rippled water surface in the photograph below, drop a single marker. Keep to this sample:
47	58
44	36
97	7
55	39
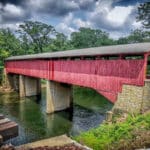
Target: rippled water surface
35	124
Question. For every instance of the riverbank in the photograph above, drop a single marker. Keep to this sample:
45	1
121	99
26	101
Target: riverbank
62	142
133	133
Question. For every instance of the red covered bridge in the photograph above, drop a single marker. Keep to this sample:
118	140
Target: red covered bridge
105	69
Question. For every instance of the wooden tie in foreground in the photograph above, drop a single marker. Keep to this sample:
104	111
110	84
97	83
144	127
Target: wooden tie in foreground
8	129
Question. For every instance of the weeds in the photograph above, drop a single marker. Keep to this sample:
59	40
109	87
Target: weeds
132	133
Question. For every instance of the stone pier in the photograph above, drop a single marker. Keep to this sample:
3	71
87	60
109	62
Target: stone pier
133	99
29	86
58	96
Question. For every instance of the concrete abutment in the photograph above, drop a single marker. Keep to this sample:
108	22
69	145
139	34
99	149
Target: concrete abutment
29	86
58	96
133	99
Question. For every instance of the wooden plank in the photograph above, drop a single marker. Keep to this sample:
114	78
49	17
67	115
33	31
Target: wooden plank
9	130
5	120
1	116
1	140
7	125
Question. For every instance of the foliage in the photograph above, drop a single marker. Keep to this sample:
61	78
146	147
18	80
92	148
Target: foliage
60	43
87	37
144	14
39	34
107	136
136	36
9	44
139	36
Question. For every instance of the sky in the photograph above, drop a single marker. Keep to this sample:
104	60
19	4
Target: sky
117	17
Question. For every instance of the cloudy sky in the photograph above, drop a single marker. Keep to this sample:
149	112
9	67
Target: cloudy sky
118	17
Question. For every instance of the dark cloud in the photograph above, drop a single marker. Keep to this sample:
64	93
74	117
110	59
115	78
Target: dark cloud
10	13
15	2
61	8
57	8
86	5
128	2
92	11
53	7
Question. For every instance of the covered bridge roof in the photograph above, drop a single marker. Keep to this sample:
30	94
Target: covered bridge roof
138	48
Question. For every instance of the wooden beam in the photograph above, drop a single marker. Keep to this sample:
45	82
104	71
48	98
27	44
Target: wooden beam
1	140
1	116
3	121
8	129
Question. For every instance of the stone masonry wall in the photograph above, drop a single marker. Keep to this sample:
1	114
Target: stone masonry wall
133	99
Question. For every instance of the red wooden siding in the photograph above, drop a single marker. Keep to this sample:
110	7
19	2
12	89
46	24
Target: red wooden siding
105	76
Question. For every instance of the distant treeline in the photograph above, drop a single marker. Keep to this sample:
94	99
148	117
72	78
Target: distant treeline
37	37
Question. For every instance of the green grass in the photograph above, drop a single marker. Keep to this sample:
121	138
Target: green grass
107	136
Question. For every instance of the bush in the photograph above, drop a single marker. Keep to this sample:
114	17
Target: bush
108	136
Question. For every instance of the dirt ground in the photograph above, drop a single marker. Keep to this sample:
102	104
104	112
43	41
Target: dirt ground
66	147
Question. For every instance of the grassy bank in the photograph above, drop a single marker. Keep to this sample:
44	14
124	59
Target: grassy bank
128	135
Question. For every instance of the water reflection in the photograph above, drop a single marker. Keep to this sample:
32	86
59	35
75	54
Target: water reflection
35	124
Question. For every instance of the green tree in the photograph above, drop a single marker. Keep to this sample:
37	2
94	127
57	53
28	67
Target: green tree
9	45
60	42
123	40
144	14
87	37
136	36
38	33
9	42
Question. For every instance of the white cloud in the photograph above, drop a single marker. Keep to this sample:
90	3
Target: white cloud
10	13
13	10
80	23
118	34
12	26
118	15
65	25
68	19
110	18
136	24
64	28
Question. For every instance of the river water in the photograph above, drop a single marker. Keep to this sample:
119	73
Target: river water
35	124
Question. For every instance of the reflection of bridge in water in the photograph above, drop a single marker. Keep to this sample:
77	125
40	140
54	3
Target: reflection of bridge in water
117	72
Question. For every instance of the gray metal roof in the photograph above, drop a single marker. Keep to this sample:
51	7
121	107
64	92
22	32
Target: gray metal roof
104	50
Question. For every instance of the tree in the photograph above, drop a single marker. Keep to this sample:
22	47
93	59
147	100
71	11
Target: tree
87	37
60	42
136	36
38	33
144	14
9	42
123	40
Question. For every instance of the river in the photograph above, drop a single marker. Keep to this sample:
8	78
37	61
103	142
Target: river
35	124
